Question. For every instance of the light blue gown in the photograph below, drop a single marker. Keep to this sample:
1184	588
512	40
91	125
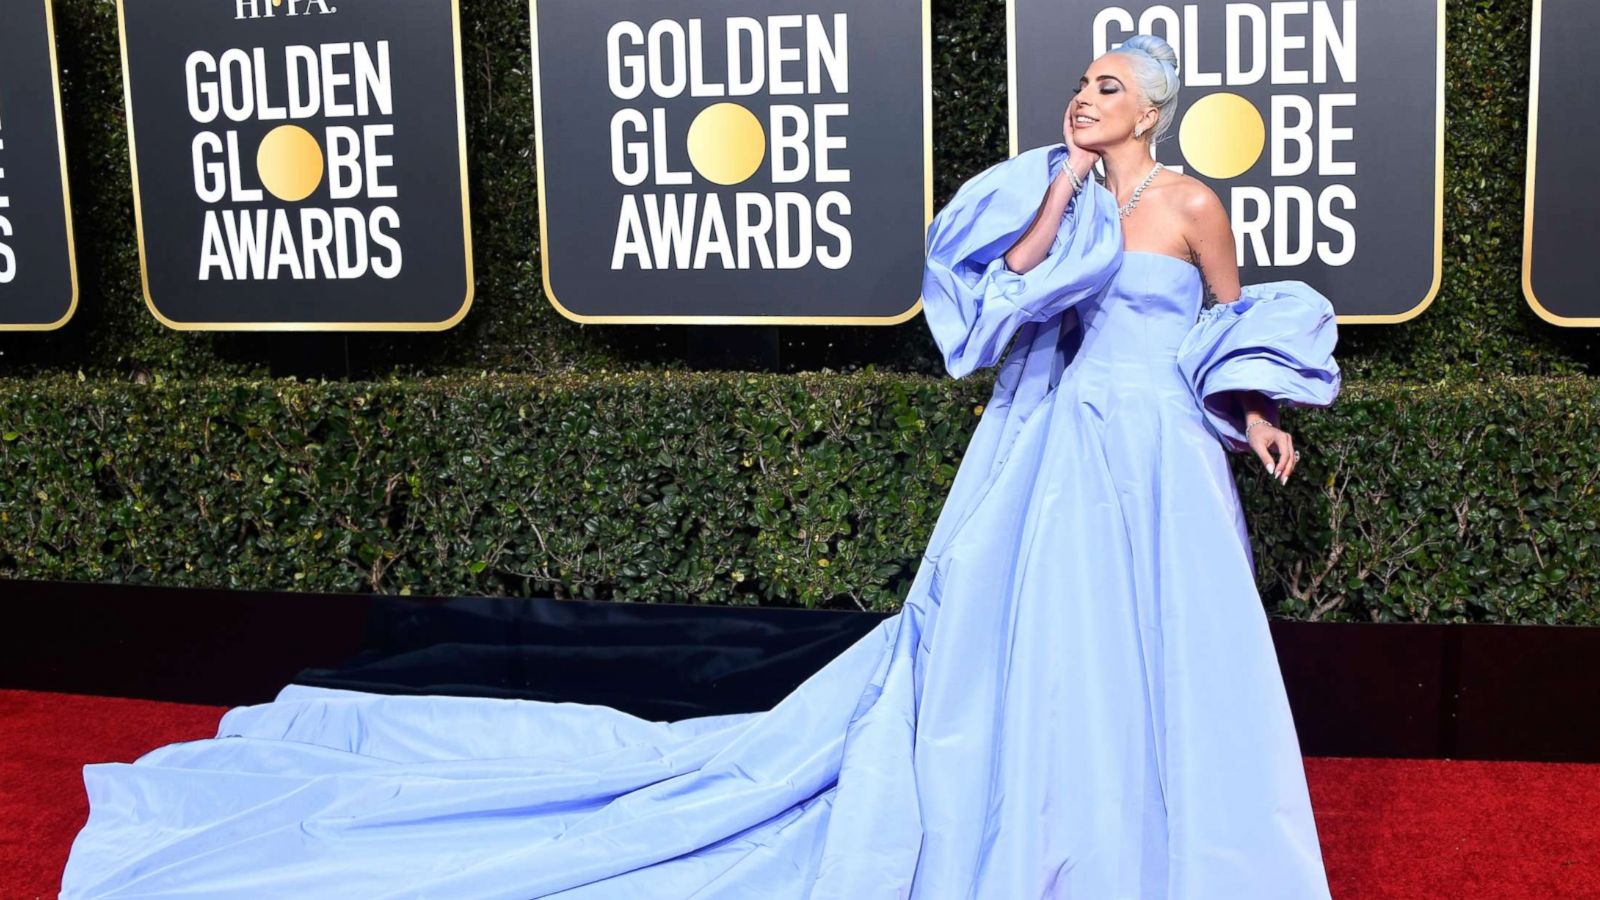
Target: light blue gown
1079	699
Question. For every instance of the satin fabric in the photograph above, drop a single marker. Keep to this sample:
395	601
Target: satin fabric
1079	699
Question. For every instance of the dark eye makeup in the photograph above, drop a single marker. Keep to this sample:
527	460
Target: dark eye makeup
1107	86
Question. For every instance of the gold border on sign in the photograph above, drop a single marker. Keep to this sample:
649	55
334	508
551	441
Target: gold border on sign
66	190
1438	165
466	216
1527	210
927	206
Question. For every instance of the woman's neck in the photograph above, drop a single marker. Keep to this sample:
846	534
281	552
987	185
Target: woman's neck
1127	164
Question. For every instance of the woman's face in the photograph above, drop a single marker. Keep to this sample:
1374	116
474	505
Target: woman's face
1105	106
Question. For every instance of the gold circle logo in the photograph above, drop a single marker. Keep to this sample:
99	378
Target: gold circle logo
726	143
289	162
1222	135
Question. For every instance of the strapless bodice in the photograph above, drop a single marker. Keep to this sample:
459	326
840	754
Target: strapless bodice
1143	313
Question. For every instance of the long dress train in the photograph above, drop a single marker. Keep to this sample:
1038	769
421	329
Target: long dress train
1079	699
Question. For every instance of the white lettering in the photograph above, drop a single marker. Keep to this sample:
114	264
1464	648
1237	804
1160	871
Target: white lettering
238	83
782	54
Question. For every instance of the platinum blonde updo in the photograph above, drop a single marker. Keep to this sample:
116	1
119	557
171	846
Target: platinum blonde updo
1155	73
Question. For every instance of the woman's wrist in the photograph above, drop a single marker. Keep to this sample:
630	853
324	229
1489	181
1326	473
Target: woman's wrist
1256	408
1081	164
1063	190
1075	171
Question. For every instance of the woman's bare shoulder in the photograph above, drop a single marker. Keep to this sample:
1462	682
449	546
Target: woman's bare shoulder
1187	195
1193	208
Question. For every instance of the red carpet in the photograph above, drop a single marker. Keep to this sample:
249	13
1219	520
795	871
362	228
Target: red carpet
45	739
1389	828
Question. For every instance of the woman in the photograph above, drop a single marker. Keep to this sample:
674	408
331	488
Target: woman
1078	699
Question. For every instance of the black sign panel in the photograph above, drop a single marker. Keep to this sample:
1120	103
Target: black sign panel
715	163
38	277
299	164
1563	202
1319	124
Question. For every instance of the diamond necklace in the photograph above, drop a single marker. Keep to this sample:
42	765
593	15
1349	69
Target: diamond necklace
1134	200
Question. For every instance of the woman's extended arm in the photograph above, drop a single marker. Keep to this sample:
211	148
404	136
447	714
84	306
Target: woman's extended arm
1034	245
1212	250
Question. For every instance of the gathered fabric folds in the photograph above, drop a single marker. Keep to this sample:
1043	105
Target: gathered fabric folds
1276	339
1078	699
972	301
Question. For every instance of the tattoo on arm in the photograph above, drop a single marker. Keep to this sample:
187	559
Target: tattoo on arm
1208	295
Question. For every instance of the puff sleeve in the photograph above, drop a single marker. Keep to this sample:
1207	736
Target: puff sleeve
1277	338
972	301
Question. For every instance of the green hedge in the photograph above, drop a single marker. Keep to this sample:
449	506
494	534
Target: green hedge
1438	503
1479	323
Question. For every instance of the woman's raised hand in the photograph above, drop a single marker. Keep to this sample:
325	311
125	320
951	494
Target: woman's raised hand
1074	152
